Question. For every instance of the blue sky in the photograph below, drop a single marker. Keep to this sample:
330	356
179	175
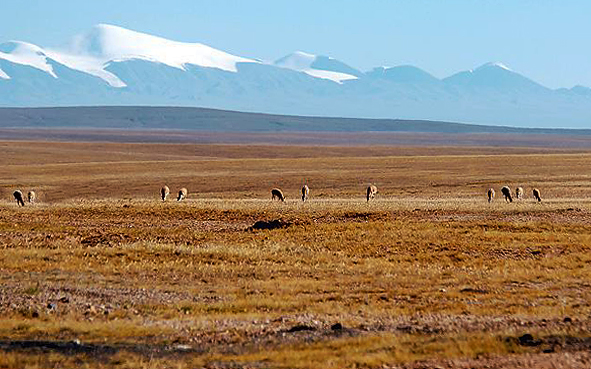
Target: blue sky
548	41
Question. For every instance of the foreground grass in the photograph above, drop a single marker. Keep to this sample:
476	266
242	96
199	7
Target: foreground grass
372	351
204	280
428	271
368	351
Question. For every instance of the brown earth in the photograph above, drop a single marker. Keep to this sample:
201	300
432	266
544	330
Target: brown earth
100	272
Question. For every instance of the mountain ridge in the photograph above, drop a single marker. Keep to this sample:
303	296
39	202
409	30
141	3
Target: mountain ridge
111	65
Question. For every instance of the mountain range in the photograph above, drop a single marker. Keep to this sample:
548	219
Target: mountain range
114	66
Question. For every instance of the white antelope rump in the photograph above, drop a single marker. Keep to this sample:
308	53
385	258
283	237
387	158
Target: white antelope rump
277	193
182	194
536	194
506	191
18	196
519	193
490	194
31	196
372	190
164	192
305	192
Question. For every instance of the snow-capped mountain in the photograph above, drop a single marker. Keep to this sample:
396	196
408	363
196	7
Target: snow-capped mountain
110	65
92	52
318	66
25	54
403	74
494	76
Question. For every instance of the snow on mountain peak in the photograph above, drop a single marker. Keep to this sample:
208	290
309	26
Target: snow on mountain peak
113	43
26	54
304	62
495	65
298	60
20	48
91	52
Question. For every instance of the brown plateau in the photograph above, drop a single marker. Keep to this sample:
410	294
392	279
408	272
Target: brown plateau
99	272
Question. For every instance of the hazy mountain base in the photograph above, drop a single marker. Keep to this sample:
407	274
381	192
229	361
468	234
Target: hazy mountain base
266	88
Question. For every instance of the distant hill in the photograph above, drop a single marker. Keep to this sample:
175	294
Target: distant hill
212	120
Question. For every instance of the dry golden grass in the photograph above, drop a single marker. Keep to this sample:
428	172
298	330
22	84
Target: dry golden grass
428	271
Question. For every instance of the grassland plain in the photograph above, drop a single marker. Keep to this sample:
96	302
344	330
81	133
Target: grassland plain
100	273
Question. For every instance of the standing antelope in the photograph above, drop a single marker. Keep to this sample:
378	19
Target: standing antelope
372	190
277	193
506	191
491	194
305	192
536	193
164	192
18	196
182	194
519	193
31	196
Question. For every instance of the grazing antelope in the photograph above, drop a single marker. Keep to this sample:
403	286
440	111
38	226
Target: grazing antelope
164	192
277	193
519	193
31	196
305	192
491	194
182	194
536	193
506	191
18	196
372	190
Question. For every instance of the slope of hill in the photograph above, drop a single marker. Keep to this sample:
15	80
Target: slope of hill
212	120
